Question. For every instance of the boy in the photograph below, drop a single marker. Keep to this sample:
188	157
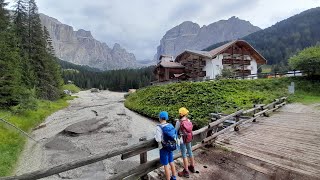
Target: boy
184	127
166	136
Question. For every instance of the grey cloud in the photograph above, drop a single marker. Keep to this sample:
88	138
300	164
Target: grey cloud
138	25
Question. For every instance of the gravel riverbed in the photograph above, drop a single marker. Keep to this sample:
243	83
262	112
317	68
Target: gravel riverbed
92	124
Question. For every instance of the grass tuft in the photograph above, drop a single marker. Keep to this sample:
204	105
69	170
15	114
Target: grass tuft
11	141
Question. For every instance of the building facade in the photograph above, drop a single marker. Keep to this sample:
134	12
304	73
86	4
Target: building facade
238	57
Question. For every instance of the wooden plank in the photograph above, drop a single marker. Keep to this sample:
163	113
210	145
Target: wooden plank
215	123
260	113
206	140
271	104
49	171
136	172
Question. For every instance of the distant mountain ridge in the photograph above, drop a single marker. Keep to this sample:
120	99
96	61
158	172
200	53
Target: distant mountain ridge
189	35
80	47
284	39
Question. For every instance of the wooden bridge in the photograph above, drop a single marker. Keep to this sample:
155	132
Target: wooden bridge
289	144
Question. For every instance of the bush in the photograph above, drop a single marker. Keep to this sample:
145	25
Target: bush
308	60
202	98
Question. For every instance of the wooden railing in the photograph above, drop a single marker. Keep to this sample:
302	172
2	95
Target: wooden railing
206	136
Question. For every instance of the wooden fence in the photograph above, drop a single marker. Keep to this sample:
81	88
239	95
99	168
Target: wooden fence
205	136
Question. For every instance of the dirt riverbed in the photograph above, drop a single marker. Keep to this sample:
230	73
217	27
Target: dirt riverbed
92	124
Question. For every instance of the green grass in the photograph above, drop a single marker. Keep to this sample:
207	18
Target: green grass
305	98
11	141
71	87
226	96
266	68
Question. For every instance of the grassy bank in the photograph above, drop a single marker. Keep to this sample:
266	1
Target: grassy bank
202	98
11	141
71	87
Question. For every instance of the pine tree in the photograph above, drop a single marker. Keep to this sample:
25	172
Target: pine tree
10	91
48	78
48	39
21	27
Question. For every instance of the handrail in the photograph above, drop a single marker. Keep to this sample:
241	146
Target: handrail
140	148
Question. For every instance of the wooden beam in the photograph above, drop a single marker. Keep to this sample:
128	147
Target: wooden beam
49	171
206	140
136	172
215	123
260	113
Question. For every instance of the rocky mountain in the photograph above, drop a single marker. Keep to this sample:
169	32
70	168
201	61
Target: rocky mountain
189	35
80	47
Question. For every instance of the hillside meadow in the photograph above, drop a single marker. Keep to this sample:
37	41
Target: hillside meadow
225	96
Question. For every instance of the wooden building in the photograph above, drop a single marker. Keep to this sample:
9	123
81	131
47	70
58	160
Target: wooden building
168	70
238	56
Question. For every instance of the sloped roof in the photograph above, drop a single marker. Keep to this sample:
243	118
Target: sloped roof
169	64
257	56
195	52
201	53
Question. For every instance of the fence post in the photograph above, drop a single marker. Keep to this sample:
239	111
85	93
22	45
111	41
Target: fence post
143	158
236	128
254	112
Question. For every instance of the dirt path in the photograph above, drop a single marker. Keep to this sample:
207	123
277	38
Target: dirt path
93	123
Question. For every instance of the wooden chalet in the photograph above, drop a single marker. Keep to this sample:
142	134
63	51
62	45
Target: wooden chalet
239	56
168	70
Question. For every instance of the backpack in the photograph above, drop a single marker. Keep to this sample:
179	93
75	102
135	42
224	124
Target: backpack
186	131
169	137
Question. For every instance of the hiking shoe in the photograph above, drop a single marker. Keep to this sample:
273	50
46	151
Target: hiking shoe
183	173
191	169
173	178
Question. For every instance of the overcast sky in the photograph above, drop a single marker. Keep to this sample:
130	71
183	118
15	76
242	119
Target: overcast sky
138	25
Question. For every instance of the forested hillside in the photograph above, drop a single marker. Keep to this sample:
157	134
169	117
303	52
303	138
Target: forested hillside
86	77
28	68
284	39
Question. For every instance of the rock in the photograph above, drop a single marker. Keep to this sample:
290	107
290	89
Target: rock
189	35
59	143
79	47
85	127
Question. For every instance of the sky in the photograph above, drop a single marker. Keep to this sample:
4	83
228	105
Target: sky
139	25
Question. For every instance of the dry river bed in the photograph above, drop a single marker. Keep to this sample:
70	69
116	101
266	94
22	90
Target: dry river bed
92	124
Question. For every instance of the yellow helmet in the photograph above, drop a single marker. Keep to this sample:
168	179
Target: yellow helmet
183	111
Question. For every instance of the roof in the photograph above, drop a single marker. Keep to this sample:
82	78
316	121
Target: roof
169	64
257	56
199	53
164	55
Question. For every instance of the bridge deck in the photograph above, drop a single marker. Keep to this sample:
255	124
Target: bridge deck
289	139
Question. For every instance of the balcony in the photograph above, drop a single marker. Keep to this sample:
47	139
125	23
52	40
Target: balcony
235	61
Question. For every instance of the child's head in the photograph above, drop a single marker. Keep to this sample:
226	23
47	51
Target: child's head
163	116
183	112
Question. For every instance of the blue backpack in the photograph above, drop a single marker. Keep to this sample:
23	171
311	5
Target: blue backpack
169	137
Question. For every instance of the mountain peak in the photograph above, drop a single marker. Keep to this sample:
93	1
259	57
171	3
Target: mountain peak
79	47
84	33
189	35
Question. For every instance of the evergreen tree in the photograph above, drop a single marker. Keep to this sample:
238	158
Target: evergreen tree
10	90
21	26
46	70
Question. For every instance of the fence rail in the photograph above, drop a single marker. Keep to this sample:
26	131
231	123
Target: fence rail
147	145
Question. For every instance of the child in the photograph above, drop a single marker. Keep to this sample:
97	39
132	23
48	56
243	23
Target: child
166	136
184	127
